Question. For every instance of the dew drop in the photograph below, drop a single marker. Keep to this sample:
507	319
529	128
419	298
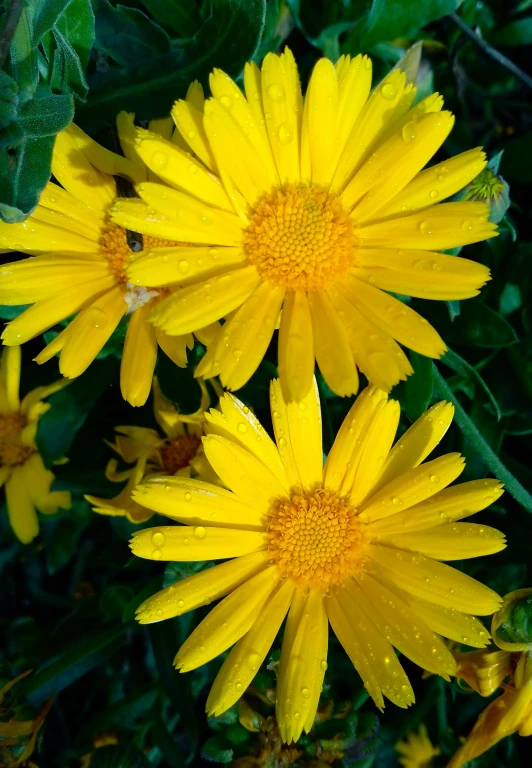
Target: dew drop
388	91
156	554
159	159
180	603
434	478
434	194
305	693
238	686
242	428
157	539
284	133
276	92
183	267
425	228
467	225
200	532
159	612
226	102
297	715
324	665
188	496
409	131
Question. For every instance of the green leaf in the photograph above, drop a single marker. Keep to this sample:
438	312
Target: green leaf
180	15
67	72
28	173
44	15
119	756
124	713
178	384
72	662
462	367
516	162
389	19
24	60
516	33
227	40
151	588
70	407
115	600
217	749
9	313
46	115
482	448
127	35
8	99
418	386
477	325
176	571
76	24
169	747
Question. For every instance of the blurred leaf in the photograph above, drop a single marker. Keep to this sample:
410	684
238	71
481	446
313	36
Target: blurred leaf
115	600
418	386
9	313
516	162
477	325
227	39
217	749
180	15
62	544
70	407
130	609
177	571
461	366
516	33
72	662
178	384
168	746
478	442
127	35
122	713
118	756
510	299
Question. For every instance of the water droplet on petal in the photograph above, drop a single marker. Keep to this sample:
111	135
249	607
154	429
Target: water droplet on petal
158	539
409	131
159	159
226	102
200	532
156	554
242	428
284	133
276	92
183	266
388	91
425	228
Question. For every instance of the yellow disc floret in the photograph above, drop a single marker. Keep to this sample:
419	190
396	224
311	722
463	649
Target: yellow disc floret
300	237
12	450
315	538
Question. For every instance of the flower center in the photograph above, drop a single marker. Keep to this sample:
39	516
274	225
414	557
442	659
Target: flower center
315	538
114	247
12	450
177	454
300	237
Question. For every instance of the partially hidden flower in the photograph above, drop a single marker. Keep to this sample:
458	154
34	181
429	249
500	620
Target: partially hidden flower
177	451
18	734
78	265
309	210
355	543
26	479
511	712
417	750
490	188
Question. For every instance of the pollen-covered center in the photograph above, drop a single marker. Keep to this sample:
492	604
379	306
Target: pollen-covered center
115	248
178	453
300	237
12	450
315	538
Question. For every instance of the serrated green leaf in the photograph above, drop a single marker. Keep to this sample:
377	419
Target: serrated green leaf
227	40
127	35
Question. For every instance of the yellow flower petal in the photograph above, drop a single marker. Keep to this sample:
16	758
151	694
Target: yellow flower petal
89	331
423	274
370	454
341	455
297	428
322	89
175	346
235	421
192	220
127	134
282	104
197	503
10	376
181	264
138	358
296	346
54	198
331	346
397	319
377	355
102	159
302	666
400	626
413	487
190	544
243	662
200	589
39	277
431	580
417	443
38	482
453	541
372	655
199	304
241	471
180	170
35	237
443	226
382	177
446	506
227	622
437	182
20	509
354	83
78	176
449	622
246	336
54	347
189	121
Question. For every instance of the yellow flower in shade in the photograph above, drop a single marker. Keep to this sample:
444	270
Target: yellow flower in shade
511	712
27	481
416	751
179	452
311	208
78	265
356	543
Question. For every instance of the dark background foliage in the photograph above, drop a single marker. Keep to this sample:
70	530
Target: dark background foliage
67	601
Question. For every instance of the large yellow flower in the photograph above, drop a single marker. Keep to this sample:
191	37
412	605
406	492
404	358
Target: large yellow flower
78	265
417	750
314	207
26	479
178	452
355	543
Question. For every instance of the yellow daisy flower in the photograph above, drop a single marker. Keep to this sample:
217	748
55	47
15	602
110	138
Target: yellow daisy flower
179	452
416	751
26	479
78	265
356	543
312	207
